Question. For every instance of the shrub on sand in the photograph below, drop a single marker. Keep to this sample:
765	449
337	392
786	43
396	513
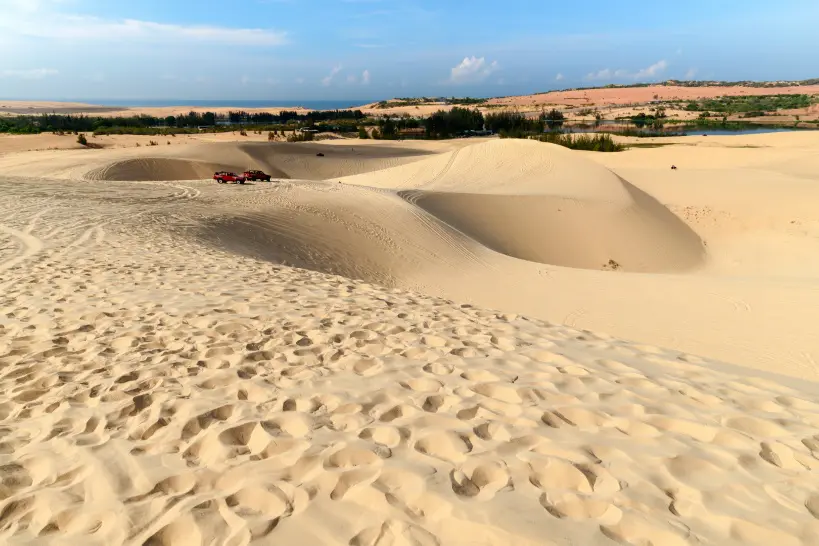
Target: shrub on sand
82	140
592	143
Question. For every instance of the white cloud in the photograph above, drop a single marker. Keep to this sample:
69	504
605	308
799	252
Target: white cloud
29	73
559	77
365	77
328	79
473	69
42	19
607	74
652	71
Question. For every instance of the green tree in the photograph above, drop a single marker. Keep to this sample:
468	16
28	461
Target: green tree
554	119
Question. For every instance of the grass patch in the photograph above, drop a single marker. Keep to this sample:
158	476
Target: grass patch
752	106
590	143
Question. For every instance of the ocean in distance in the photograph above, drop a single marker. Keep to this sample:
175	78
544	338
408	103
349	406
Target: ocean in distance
238	104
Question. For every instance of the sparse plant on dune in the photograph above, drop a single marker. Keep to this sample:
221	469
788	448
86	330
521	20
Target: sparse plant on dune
82	140
300	137
591	143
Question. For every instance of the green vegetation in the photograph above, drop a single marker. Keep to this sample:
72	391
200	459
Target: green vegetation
512	122
362	133
465	101
592	143
420	101
517	125
457	121
406	101
82	140
743	83
300	137
708	83
184	124
751	106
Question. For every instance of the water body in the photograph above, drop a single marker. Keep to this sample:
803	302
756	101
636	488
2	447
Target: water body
237	104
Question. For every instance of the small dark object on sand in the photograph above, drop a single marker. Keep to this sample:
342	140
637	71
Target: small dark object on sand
673	167
319	154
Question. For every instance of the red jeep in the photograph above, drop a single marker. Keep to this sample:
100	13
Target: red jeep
225	177
256	175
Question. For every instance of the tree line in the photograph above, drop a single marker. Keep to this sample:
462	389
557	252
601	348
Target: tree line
463	121
24	124
457	121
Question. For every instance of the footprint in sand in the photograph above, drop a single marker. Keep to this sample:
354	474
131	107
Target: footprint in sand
445	445
570	505
260	507
480	479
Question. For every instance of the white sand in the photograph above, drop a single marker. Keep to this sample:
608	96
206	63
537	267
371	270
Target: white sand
167	382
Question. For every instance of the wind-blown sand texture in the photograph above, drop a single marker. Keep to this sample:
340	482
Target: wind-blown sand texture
169	378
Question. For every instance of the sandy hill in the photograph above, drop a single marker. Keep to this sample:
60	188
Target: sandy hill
199	161
449	362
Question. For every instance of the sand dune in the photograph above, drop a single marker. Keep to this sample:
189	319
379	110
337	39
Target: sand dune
157	168
552	208
169	379
199	161
644	236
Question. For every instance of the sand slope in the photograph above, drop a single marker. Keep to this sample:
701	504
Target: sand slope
199	161
542	203
160	391
749	199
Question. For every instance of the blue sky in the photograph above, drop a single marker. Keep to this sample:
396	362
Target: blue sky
363	49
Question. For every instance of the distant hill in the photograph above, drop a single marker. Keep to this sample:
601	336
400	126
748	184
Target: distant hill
707	83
